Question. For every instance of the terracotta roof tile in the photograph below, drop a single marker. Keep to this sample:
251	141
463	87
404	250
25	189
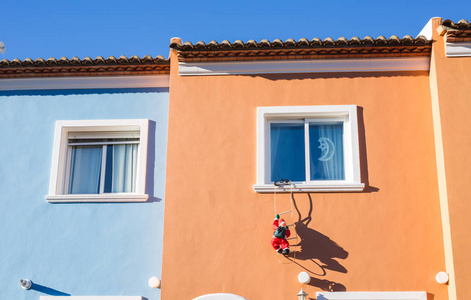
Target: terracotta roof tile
303	48
457	32
460	25
75	66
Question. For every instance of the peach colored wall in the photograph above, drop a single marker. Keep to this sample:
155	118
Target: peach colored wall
454	94
217	229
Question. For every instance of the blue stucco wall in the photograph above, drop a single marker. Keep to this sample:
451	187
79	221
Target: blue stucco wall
78	249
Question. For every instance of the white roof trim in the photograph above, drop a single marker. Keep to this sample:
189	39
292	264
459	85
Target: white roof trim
85	82
459	49
415	63
427	30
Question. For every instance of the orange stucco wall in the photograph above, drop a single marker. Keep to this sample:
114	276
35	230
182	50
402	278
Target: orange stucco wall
454	95
217	229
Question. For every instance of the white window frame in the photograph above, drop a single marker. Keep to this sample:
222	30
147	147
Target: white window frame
325	113
58	183
371	295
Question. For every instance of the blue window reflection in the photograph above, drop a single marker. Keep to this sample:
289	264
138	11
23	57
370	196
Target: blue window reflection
287	151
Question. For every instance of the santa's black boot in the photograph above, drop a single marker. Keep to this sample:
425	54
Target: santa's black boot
285	251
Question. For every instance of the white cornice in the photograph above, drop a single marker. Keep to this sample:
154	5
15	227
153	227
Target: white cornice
458	49
85	82
415	63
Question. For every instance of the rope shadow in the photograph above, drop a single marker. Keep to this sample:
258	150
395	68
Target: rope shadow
47	290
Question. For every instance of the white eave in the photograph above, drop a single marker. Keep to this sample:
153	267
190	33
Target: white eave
85	82
460	49
414	63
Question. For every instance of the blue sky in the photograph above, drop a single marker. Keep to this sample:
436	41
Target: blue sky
69	28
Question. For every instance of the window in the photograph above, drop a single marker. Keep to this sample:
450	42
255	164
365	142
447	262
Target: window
316	147
99	161
102	162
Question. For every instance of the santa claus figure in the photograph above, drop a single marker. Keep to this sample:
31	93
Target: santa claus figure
279	241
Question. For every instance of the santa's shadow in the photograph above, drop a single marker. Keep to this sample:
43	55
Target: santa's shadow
316	253
318	248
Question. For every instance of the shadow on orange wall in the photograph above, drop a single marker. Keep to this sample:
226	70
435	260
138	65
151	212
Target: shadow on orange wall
319	249
363	154
334	75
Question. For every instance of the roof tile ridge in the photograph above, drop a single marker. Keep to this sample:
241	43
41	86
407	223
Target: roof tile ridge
460	25
76	61
301	43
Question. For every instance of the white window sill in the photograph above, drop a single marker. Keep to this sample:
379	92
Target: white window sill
318	187
97	198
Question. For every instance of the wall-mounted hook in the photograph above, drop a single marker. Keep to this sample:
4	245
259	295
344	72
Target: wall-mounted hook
282	181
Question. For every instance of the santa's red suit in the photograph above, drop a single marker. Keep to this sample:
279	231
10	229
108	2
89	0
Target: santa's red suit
279	241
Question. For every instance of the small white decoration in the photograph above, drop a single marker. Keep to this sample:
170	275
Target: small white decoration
154	282
26	284
442	277
304	278
327	147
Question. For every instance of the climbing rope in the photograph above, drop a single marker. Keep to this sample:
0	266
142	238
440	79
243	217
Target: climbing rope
295	235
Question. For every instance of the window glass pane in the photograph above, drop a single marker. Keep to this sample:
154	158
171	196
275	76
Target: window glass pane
108	169
287	151
85	169
326	151
124	167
